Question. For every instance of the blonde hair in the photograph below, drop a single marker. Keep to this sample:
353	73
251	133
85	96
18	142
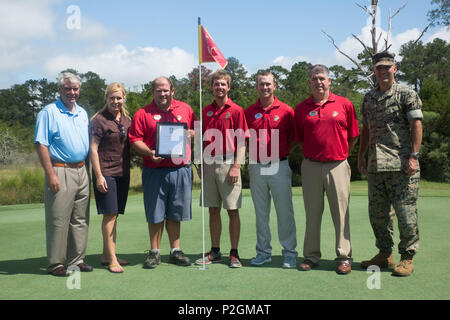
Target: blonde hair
113	87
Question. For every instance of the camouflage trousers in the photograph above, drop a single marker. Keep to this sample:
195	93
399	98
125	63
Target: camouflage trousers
395	190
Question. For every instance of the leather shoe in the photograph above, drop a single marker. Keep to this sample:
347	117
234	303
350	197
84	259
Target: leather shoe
344	268
84	267
59	272
307	265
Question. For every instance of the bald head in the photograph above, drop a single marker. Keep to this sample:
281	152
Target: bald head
163	92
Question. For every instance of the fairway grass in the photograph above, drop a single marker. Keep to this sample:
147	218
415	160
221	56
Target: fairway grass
23	258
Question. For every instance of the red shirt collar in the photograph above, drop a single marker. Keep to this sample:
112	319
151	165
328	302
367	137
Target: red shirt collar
227	104
331	98
154	106
276	104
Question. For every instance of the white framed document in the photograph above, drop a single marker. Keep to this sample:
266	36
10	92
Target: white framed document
171	139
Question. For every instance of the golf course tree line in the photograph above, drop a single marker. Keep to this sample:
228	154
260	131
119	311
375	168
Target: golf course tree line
424	67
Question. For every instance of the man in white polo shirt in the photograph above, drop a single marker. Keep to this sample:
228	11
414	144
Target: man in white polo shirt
62	143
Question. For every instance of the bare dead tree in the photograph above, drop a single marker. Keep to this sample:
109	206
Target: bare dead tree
360	67
372	12
387	45
10	146
373	30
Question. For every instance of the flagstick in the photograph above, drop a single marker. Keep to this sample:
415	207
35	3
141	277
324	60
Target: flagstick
201	157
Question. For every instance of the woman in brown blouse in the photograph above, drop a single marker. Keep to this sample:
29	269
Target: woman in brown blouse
110	158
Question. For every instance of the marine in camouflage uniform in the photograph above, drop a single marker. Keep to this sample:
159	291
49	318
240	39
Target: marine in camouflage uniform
391	121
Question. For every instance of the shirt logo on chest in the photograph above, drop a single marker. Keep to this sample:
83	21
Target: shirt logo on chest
179	117
313	113
210	113
157	117
335	113
258	116
276	118
228	115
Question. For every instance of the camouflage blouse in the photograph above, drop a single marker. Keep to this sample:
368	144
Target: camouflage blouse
387	115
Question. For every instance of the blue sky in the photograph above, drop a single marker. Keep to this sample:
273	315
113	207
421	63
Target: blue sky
135	41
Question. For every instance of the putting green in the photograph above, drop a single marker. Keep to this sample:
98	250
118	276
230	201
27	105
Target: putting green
23	259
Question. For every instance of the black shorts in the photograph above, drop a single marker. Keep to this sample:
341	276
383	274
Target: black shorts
115	199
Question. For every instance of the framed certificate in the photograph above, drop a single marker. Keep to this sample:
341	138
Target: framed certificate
171	139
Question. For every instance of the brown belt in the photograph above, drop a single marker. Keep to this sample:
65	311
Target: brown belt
69	165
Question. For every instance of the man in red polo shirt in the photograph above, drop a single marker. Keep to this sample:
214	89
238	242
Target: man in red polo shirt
272	133
224	128
326	125
167	182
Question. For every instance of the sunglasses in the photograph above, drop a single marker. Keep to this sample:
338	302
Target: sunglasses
122	131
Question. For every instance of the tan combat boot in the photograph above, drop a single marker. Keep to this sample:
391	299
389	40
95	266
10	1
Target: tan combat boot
405	266
383	260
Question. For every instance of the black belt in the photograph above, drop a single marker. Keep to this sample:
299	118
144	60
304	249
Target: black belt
271	161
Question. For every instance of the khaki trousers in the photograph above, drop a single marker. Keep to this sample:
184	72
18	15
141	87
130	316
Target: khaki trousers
218	191
67	217
332	178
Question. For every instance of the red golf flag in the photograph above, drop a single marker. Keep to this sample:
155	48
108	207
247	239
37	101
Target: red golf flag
208	51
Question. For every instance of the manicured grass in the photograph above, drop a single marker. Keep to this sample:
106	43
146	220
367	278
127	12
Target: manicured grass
23	258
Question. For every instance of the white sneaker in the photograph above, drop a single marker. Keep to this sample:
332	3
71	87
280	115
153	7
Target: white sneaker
289	262
260	259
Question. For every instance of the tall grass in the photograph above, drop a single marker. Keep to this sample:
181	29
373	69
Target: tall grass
25	184
21	185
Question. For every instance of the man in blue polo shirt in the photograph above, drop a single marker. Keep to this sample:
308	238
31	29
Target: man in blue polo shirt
62	144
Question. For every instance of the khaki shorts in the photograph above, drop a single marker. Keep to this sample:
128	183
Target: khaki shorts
217	191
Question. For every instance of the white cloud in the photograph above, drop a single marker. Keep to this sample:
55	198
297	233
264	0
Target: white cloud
442	33
89	31
288	62
132	67
26	19
352	47
22	22
16	56
283	61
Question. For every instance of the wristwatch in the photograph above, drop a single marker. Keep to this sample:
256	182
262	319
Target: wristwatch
415	155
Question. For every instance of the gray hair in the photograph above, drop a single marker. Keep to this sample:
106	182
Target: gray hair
68	75
318	68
